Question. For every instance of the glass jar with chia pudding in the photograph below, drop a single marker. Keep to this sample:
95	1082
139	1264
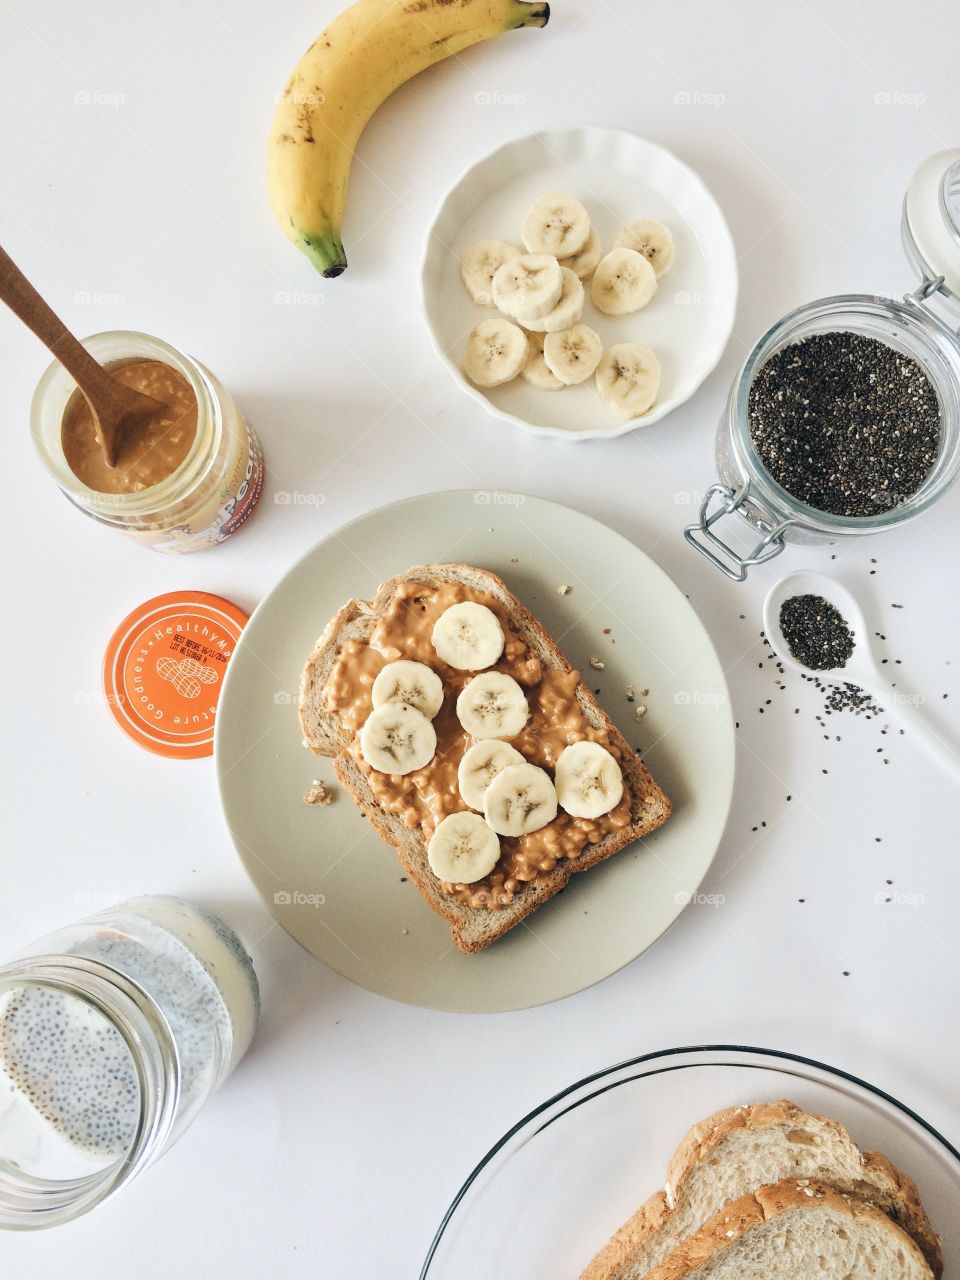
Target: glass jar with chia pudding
845	418
113	1034
183	482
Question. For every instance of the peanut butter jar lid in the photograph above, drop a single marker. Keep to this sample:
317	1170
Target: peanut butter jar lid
164	667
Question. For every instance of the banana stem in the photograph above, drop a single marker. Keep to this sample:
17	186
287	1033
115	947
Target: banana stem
326	252
532	15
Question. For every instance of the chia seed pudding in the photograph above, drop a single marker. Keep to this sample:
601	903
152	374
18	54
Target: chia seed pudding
816	633
846	424
69	1063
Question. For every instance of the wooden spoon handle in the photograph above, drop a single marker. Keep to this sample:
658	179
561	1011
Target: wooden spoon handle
24	301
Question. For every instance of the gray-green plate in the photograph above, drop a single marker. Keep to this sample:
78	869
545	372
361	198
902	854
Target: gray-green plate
339	890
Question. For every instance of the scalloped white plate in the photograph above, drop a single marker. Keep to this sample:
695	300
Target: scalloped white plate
619	177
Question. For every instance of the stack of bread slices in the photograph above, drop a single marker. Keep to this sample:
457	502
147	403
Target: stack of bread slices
769	1191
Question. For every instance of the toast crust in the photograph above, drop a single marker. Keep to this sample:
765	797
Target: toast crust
472	928
883	1184
765	1205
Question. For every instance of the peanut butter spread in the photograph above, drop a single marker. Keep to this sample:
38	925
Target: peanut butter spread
426	797
151	450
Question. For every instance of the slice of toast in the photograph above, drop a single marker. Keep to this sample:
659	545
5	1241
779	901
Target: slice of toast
327	732
796	1230
736	1150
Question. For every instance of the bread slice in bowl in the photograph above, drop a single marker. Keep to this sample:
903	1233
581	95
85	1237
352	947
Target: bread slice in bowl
335	700
796	1230
738	1149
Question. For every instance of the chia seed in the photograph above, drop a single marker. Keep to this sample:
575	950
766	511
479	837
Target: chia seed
846	424
816	633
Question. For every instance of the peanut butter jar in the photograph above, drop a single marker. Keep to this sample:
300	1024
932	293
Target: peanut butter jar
206	498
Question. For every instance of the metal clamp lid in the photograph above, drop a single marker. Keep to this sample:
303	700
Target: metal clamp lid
931	226
709	544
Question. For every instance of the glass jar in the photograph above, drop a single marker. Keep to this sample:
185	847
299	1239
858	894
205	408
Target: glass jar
113	1034
914	327
207	498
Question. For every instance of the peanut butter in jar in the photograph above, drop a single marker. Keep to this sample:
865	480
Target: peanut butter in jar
185	479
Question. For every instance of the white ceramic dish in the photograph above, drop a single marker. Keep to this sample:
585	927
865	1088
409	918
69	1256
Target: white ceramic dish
329	879
553	1190
619	177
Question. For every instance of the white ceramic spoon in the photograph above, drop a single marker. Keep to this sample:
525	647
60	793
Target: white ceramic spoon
862	668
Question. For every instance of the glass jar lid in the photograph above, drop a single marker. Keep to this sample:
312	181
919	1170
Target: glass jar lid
931	223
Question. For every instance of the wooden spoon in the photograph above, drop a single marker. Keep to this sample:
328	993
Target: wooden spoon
115	408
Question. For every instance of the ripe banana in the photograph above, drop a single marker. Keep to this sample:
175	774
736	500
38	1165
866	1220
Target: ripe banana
367	52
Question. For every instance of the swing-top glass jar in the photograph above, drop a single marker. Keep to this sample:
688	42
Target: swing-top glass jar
921	328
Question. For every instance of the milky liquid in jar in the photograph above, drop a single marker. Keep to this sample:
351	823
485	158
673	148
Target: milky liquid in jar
188	489
86	1074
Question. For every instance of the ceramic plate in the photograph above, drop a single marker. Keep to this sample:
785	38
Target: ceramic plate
329	879
620	178
556	1187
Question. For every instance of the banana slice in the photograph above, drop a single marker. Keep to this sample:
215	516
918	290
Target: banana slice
535	371
624	281
652	239
492	706
573	354
397	739
463	849
520	799
528	287
628	379
557	224
585	262
479	766
413	683
479	265
496	352
589	780
468	636
569	307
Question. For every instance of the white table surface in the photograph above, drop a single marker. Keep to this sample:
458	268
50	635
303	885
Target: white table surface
132	193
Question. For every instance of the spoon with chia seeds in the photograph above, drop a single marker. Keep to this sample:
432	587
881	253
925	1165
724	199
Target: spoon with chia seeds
816	626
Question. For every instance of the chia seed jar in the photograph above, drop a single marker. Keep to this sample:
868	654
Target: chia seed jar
763	515
114	1032
206	499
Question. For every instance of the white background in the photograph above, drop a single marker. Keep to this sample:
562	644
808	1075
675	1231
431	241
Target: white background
133	157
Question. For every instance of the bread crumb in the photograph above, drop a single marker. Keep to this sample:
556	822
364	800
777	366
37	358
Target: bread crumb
318	794
630	692
640	712
597	664
563	590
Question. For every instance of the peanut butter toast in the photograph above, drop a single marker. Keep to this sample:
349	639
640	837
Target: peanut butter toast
477	786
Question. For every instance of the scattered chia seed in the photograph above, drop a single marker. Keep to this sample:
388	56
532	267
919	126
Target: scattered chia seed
846	424
816	633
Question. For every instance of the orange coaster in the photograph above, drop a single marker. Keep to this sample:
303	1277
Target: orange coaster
164	668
